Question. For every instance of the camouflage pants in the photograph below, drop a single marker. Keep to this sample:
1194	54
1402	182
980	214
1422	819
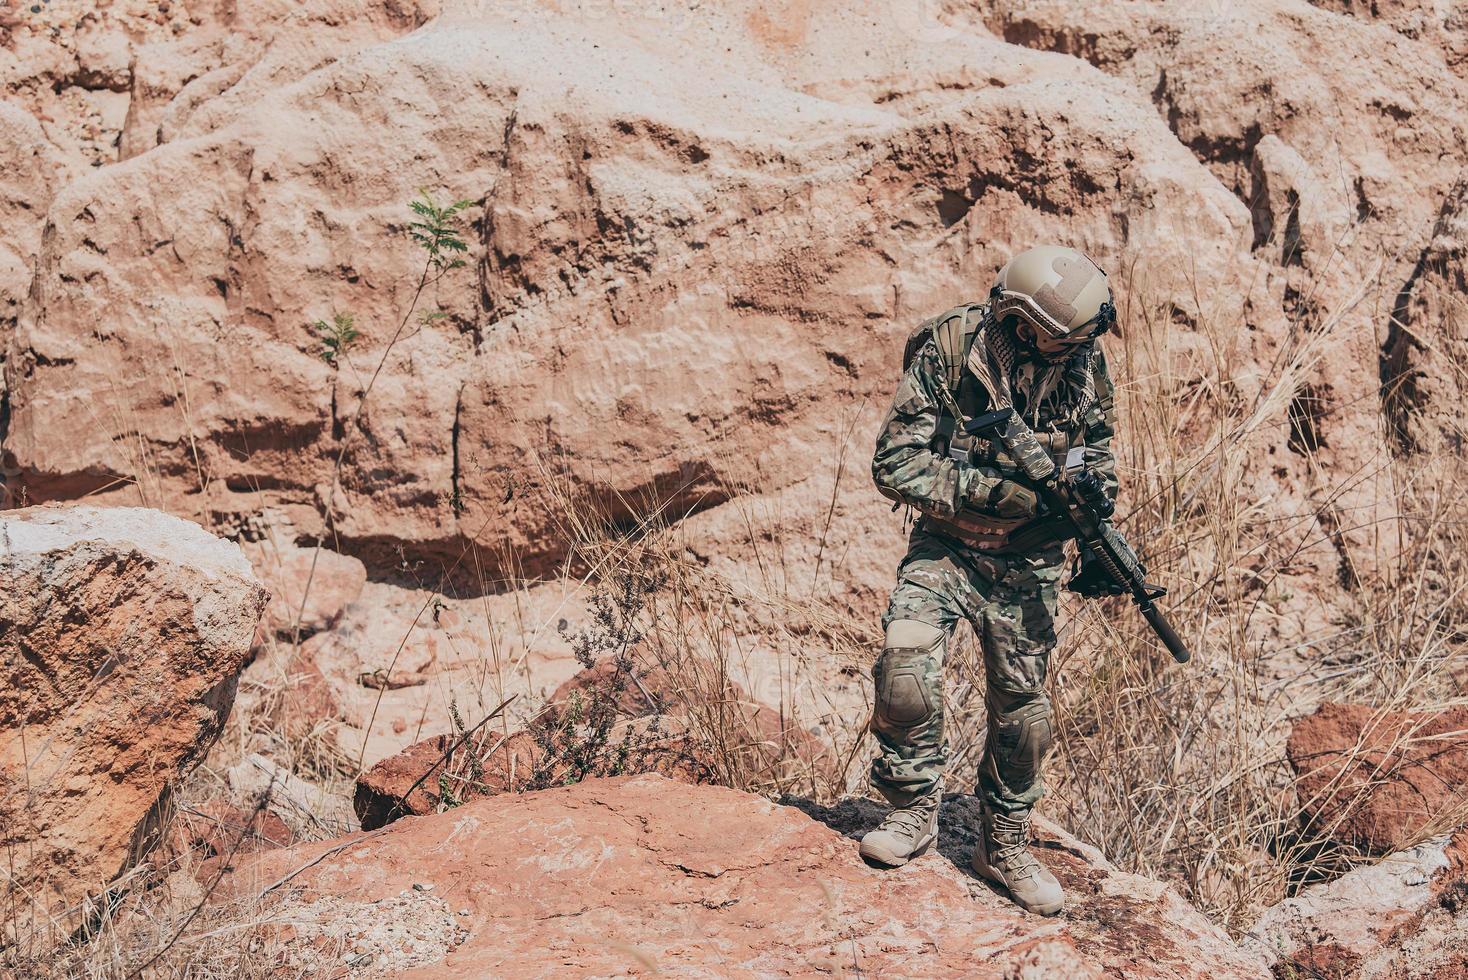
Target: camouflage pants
1010	601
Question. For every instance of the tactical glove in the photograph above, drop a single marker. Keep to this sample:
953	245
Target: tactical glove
1012	500
1089	578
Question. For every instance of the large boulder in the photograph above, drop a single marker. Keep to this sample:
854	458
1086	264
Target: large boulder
1402	917
122	636
690	248
1379	780
644	874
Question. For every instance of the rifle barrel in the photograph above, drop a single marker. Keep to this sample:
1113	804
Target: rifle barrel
1166	633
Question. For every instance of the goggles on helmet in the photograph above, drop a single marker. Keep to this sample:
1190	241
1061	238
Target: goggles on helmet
1034	328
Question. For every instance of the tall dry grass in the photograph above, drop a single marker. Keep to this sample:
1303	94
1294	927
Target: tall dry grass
745	655
1180	772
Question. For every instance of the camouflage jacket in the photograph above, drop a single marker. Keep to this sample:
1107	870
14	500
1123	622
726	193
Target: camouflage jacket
919	462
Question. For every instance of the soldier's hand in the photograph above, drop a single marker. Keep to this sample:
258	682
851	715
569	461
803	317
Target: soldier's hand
1090	579
1013	500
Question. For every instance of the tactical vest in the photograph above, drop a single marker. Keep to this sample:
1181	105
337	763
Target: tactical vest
953	333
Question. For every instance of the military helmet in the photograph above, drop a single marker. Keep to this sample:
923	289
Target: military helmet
1059	299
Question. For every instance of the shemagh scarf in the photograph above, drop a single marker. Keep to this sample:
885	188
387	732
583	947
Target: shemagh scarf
1065	390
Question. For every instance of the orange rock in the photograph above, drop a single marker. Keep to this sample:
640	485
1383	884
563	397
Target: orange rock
409	783
122	636
523	761
1378	779
654	690
220	829
640	690
634	874
308	699
309	584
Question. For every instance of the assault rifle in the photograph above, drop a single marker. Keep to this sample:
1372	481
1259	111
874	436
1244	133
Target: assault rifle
1084	510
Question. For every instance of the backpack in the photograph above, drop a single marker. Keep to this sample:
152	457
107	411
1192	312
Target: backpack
953	332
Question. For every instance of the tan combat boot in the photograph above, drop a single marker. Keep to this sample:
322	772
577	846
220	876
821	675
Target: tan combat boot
1003	856
907	832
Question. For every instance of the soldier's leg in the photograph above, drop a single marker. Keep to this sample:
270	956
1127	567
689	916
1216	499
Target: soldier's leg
907	715
907	712
1018	635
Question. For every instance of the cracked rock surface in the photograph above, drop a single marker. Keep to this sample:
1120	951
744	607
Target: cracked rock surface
636	874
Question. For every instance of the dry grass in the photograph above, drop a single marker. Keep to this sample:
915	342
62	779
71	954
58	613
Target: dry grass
1179	772
742	692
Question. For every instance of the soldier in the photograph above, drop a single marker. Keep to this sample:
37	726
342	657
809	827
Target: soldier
982	551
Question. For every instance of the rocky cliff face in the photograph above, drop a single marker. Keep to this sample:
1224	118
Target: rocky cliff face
699	243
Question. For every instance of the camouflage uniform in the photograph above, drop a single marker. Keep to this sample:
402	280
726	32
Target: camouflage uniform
1001	575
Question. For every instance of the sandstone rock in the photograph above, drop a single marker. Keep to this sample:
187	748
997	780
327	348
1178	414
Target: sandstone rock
778	251
656	689
370	640
1443	23
643	874
1376	779
265	783
399	659
408	783
1402	917
327	582
640	690
1425	339
785	208
122	635
219	829
28	169
54	63
695	251
309	699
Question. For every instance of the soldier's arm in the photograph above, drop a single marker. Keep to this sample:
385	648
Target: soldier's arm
905	467
1100	427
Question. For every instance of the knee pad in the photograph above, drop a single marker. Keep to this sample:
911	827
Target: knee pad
908	676
1020	734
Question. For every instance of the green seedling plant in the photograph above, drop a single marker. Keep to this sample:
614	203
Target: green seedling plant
337	337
